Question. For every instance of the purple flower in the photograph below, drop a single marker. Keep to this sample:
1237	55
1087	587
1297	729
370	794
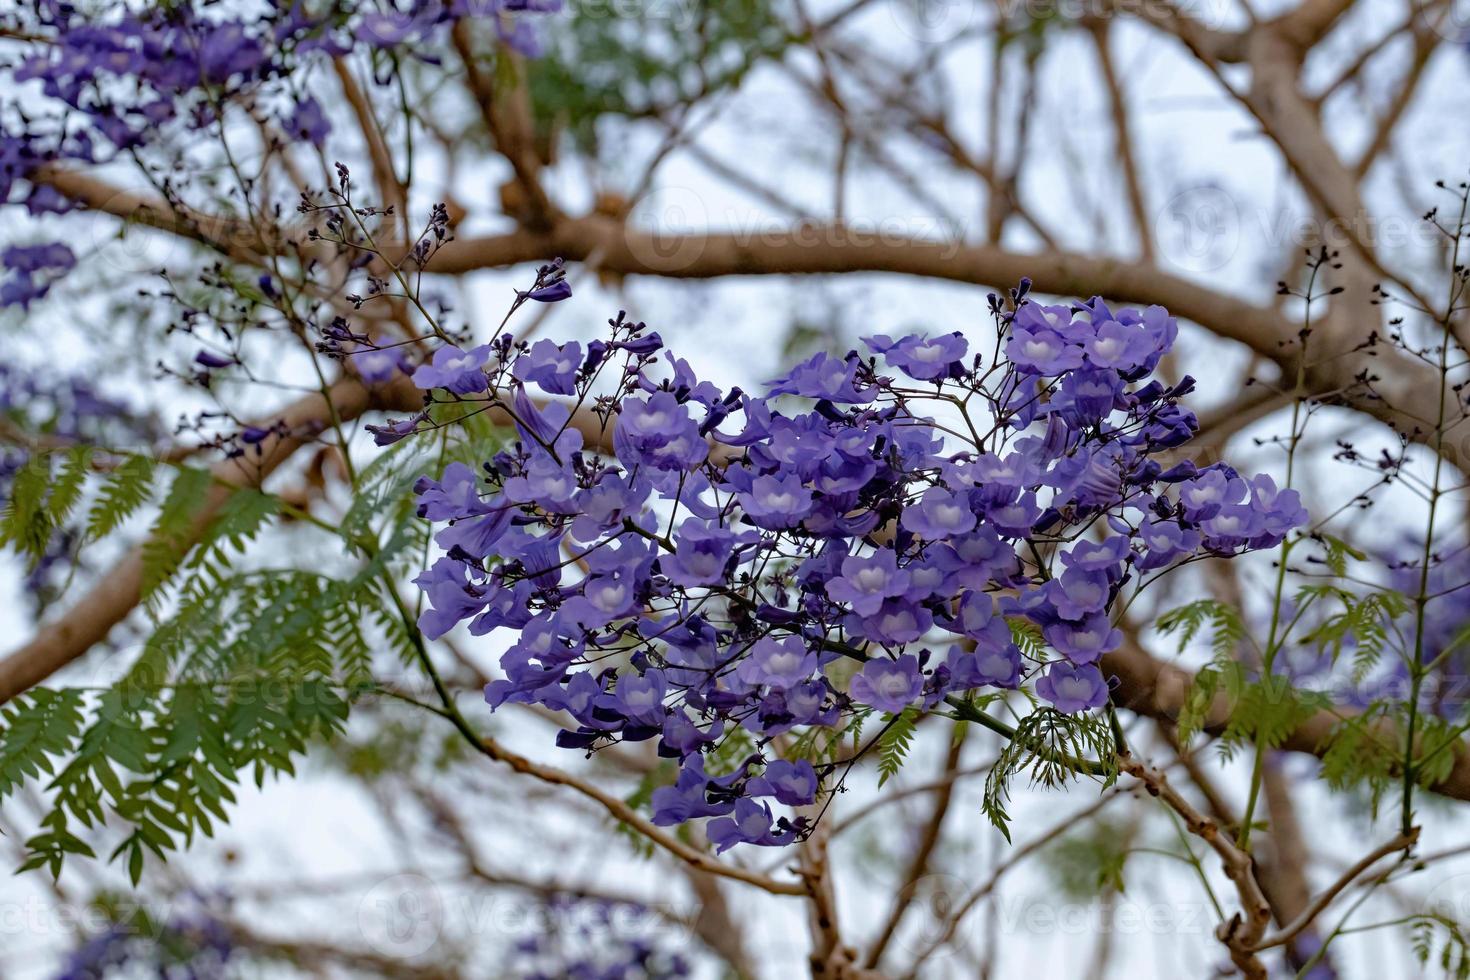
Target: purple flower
1281	510
387	435
1073	688
552	368
22	289
308	122
546	483
1085	641
988	469
1077	592
866	582
897	622
776	502
888	685
387	30
686	799
452	369
638	699
923	358
1232	526
36	258
1016	519
1164	542
452	596
976	615
603	599
938	514
715	617
825	377
607	503
701	552
1203	496
553	293
210	359
1118	346
376	365
1087	396
984	667
682	735
751	824
777	664
1041	351
1097	556
791	783
658	433
455	495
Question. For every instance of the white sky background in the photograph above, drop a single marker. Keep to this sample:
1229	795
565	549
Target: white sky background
1198	154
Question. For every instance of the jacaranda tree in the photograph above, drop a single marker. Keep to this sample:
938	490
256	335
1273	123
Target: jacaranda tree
572	601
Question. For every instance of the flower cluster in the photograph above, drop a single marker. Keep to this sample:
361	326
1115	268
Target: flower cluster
193	943
30	271
97	83
594	939
853	540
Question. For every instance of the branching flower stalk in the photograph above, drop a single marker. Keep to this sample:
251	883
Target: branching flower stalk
1275	635
1418	669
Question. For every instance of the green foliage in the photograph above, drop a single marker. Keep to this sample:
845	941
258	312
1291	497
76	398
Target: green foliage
1198	701
171	535
245	667
604	64
43	494
406	741
1454	947
1358	754
124	492
641	799
824	745
1264	710
1337	553
241	518
737	745
1226	628
39	727
1227	632
1055	748
244	672
894	743
238	680
383	486
1027	636
1363	623
1090	861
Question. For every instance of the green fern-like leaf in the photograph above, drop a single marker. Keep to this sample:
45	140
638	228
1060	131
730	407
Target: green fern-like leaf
1055	748
169	539
25	523
1197	703
1027	636
36	729
1227	628
1337	553
123	494
894	743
